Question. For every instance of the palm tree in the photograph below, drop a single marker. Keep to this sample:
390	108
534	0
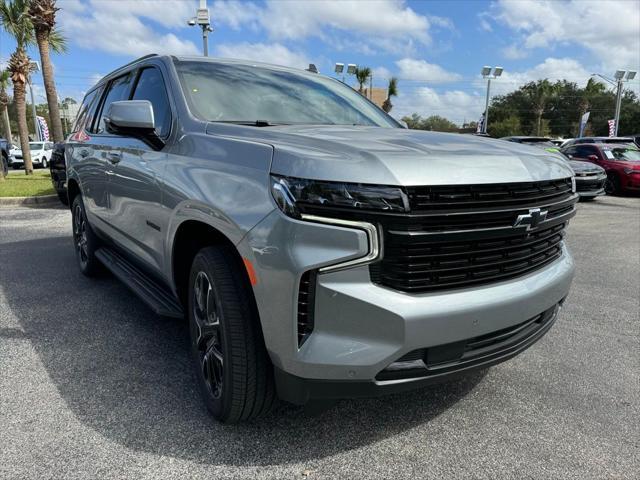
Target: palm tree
362	75
539	94
5	76
392	91
43	17
14	19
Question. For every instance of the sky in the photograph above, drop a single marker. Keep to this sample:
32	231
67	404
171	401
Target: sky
435	48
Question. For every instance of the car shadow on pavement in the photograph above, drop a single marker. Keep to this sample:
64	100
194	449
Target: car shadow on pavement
126	373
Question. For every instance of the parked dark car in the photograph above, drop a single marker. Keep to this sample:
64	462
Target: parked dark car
59	172
4	157
590	178
620	161
581	140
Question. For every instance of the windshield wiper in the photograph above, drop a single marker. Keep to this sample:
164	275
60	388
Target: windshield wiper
256	123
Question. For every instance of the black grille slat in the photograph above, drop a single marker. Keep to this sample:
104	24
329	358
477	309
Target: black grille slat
306	304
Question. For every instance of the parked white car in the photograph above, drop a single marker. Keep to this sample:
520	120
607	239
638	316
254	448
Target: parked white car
40	155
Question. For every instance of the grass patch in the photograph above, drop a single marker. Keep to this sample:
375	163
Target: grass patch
17	184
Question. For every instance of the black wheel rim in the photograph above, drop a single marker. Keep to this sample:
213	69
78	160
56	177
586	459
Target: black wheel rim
80	234
207	336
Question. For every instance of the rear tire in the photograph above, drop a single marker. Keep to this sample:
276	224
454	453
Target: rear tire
233	369
85	241
44	163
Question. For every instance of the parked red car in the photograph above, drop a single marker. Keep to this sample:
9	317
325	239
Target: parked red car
620	161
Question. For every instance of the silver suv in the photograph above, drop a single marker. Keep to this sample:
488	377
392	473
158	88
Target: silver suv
318	249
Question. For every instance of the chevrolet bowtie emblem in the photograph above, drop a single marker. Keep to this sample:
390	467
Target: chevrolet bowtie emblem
531	219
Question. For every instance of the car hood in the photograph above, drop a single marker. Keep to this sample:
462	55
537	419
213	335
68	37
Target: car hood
397	156
585	167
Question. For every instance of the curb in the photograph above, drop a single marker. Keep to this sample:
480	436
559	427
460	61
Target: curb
35	202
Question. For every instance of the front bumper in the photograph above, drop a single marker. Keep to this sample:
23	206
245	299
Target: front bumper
590	186
360	328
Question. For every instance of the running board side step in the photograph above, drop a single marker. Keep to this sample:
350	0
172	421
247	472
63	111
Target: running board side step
157	297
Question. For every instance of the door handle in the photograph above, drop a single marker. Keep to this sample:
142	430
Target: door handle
114	157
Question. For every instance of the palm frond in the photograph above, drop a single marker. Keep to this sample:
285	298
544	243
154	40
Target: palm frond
14	18
57	41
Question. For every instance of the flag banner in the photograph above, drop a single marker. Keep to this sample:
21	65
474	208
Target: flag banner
612	128
583	123
43	129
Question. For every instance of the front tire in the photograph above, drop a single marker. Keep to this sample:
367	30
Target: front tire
233	369
85	241
612	184
44	163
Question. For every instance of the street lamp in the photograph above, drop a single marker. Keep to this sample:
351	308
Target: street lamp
351	69
486	73
203	20
621	76
34	67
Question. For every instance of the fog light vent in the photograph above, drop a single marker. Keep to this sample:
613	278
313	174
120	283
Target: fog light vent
306	304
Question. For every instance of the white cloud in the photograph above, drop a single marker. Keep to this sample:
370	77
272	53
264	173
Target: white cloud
514	52
455	105
388	24
611	29
123	27
261	52
420	70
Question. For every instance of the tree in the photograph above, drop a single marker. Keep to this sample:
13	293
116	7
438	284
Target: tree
505	128
5	76
392	91
434	123
539	92
362	75
14	19
43	17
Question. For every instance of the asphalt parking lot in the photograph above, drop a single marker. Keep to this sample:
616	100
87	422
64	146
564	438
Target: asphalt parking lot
92	385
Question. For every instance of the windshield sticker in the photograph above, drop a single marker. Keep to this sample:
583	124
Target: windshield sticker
608	154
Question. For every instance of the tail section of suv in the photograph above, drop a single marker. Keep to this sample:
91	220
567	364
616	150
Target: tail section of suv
318	249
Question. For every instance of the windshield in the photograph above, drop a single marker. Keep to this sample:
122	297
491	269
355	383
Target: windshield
222	92
539	142
623	154
35	146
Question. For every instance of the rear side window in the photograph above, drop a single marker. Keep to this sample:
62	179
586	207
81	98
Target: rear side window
151	87
118	89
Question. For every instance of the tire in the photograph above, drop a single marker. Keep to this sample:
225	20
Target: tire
612	184
44	163
4	166
85	241
233	369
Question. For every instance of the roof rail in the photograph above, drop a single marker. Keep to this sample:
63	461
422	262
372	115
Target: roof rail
133	62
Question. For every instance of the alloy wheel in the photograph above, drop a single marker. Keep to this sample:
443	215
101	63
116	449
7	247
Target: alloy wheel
80	234
207	335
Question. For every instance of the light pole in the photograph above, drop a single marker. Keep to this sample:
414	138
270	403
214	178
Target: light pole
204	21
351	69
621	76
34	67
486	73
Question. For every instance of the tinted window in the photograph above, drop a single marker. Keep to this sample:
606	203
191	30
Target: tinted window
84	117
151	87
583	151
118	90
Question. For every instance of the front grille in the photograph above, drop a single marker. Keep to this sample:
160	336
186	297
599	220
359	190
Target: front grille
306	304
484	349
458	236
589	185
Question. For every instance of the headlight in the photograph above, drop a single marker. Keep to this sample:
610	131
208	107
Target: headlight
628	170
292	194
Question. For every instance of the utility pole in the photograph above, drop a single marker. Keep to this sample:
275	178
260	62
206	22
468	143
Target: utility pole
621	76
203	20
34	67
486	73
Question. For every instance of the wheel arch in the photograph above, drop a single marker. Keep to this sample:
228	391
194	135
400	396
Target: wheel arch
73	189
190	237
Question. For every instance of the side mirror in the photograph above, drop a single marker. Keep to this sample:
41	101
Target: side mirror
593	158
133	118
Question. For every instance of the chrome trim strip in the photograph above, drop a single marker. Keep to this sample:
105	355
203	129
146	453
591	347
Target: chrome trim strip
372	240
